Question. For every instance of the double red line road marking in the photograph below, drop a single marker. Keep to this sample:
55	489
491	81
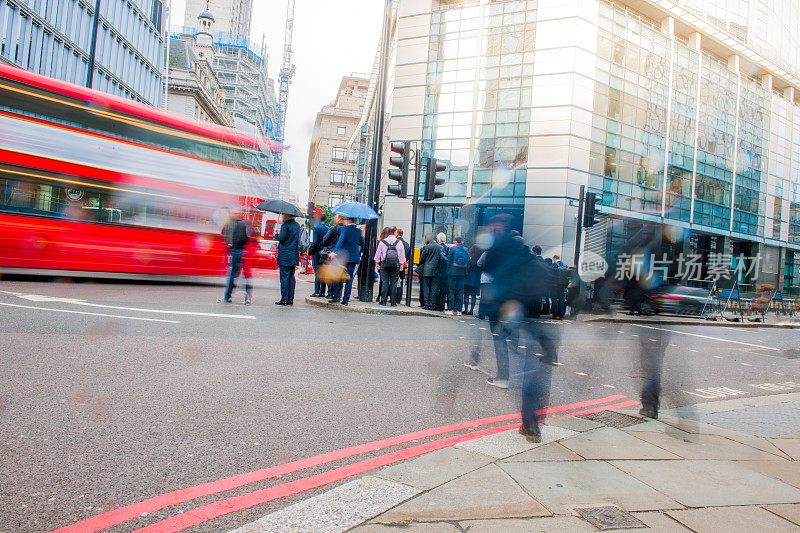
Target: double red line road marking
210	511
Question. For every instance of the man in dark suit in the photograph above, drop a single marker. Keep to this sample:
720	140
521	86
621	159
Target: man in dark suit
429	272
409	261
288	257
317	259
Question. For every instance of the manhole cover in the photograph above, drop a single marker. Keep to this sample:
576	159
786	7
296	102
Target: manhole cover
609	518
613	419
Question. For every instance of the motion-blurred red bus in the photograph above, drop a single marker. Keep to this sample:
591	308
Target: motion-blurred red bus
94	183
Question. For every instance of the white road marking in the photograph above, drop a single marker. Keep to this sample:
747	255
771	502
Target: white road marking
609	386
673	345
581	373
634	335
90	314
695	351
707	337
747	364
77	301
779	373
718	357
716	392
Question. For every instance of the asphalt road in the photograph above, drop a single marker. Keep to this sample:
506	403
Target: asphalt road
116	392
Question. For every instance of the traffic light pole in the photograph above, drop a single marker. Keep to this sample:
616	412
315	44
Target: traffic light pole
579	229
367	268
414	207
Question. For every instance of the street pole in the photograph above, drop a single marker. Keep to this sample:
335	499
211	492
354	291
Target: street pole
366	277
93	45
414	206
579	229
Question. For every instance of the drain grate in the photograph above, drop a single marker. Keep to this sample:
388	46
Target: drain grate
613	419
609	517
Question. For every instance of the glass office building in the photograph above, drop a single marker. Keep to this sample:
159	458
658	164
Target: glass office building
674	112
53	38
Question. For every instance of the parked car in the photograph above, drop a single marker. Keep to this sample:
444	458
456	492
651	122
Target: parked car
677	299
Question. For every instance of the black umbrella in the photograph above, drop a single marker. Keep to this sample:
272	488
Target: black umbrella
280	207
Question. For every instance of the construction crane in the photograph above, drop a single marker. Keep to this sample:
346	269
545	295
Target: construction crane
286	74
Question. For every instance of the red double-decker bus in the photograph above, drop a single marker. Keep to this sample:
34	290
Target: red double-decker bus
94	183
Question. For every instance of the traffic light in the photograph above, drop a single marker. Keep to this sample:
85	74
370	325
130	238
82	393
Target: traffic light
589	210
432	180
399	174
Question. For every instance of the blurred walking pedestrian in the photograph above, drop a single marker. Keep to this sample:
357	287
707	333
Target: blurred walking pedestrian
288	257
500	262
348	251
537	339
429	272
457	266
236	234
317	258
390	259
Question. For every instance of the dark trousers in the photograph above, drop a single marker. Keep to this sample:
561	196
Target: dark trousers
400	284
470	298
348	285
316	261
506	338
235	268
430	291
651	356
455	285
441	293
287	283
537	370
389	284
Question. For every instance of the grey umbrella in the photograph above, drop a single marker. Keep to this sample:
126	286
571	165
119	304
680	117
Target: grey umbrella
280	207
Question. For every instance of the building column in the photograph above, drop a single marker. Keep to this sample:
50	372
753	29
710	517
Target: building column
733	65
668	25
696	39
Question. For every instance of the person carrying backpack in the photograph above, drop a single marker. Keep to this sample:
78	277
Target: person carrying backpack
237	236
390	259
457	270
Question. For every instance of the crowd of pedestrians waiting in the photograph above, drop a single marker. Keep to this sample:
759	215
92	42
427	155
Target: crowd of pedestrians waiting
513	286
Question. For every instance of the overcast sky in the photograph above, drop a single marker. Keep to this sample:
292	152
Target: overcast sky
332	38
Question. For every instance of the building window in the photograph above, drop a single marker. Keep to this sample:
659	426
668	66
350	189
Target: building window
354	155
337	177
351	178
336	199
341	130
339	153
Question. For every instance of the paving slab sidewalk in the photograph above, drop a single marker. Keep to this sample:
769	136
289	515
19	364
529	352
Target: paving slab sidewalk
671	475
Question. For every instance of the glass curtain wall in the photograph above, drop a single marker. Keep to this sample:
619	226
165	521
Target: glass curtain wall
630	112
478	97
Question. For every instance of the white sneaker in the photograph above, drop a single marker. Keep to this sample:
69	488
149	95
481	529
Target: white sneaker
470	365
458	313
450	312
499	383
